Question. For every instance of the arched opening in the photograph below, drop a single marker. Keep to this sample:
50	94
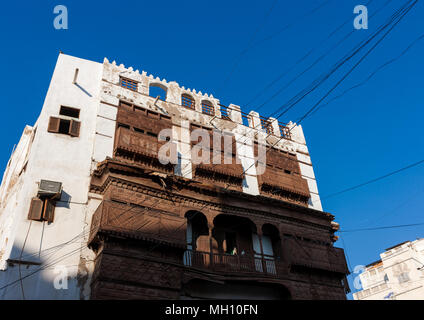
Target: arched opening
267	249
197	237
158	90
207	108
233	290
197	226
233	234
187	101
233	245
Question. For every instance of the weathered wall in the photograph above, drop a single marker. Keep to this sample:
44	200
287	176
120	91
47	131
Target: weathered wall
56	157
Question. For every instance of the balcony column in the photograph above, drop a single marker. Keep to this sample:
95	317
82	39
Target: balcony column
210	228
262	250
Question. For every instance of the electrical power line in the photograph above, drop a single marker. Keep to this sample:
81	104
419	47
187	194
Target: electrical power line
383	227
253	45
320	80
374	180
78	249
317	105
372	74
249	43
285	72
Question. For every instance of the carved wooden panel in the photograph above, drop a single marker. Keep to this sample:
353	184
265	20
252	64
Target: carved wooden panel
142	119
317	256
282	176
139	222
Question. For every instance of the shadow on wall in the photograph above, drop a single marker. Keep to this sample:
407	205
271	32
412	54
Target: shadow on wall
65	200
42	275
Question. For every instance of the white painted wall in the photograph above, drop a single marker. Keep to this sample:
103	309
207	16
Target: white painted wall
401	276
54	157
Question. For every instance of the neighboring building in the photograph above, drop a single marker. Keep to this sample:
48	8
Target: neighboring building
85	193
399	275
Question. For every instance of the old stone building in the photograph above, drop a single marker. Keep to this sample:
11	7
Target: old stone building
398	275
87	193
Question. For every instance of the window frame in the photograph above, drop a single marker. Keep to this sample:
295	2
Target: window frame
207	105
185	98
128	83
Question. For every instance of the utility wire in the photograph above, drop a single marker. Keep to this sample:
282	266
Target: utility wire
317	105
374	180
381	67
317	82
383	227
79	248
285	72
249	47
325	76
252	38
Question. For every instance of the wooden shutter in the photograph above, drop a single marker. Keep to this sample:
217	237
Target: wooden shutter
48	212
74	128
54	123
35	209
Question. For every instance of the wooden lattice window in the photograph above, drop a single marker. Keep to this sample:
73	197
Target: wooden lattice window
207	108
128	83
285	132
224	113
266	125
187	101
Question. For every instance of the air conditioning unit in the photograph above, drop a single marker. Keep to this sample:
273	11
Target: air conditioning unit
52	189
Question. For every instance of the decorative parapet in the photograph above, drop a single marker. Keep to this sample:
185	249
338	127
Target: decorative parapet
112	72
287	137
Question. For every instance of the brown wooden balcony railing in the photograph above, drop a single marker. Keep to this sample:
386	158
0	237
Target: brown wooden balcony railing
133	221
319	257
227	263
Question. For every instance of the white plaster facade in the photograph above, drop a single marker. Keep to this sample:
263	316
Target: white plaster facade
33	254
399	275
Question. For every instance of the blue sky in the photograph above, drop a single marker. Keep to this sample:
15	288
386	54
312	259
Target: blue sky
370	131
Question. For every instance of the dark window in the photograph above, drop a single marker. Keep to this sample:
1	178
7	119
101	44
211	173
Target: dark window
64	126
187	101
207	108
70	112
128	83
152	134
122	125
231	242
138	130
